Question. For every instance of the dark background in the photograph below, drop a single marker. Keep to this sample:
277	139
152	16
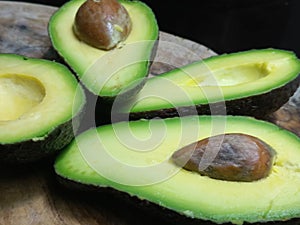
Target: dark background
232	25
228	25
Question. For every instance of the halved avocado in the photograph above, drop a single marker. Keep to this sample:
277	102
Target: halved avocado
107	73
41	103
134	158
254	83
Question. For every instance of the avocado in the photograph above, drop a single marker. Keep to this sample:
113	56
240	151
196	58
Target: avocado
107	73
134	158
41	105
254	83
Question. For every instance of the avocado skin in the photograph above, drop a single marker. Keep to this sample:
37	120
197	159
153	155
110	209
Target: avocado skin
103	105
130	92
258	106
34	150
162	214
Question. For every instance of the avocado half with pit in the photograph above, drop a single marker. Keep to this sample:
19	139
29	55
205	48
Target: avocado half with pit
253	82
41	103
134	158
107	73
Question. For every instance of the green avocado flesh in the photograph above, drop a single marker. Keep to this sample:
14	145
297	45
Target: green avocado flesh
254	82
38	100
134	158
107	73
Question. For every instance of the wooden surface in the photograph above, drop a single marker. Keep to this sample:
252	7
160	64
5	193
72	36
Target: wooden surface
30	194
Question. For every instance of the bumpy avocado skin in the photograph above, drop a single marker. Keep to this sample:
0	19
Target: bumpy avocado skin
162	212
52	140
42	147
128	90
134	203
258	106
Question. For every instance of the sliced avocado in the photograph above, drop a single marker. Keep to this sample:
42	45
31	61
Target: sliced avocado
134	158
254	83
107	73
41	103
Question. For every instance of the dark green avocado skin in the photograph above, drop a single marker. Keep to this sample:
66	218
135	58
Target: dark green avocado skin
258	106
31	151
123	200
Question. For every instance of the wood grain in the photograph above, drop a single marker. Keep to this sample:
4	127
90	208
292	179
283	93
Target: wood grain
30	194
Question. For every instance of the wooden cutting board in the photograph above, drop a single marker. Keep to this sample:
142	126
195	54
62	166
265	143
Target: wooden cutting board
30	194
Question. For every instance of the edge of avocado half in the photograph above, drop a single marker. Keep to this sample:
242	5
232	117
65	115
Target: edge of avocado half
254	83
133	159
108	73
42	105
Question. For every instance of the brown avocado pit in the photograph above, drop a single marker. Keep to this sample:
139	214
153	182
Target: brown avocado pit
194	198
102	23
230	157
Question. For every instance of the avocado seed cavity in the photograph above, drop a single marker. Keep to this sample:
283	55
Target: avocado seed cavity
236	157
102	23
18	95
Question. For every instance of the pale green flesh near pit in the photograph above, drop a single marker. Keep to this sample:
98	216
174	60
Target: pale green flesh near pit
36	96
106	73
219	78
276	197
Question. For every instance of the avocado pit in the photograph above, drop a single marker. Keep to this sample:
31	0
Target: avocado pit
237	157
18	95
102	23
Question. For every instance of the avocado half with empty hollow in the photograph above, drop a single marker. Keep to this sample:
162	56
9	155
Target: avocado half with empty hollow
136	158
107	73
41	103
254	82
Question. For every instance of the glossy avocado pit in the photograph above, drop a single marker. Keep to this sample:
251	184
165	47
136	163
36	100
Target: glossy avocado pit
102	23
107	73
231	157
200	198
19	94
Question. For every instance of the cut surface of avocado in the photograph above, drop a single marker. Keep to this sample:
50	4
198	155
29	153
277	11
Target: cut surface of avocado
254	82
38	100
134	158
107	73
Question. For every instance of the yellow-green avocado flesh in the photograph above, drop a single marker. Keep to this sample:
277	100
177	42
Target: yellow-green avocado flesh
133	158
107	73
253	82
39	100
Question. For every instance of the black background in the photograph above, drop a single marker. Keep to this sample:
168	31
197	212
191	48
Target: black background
233	25
228	25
